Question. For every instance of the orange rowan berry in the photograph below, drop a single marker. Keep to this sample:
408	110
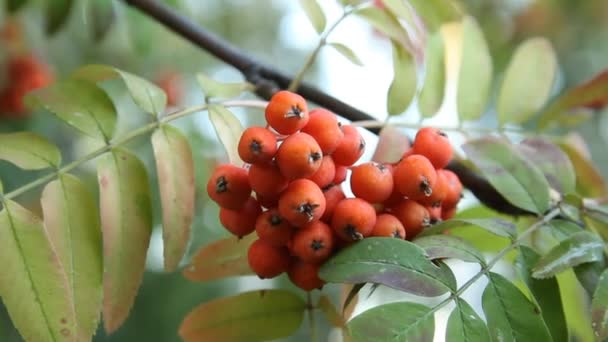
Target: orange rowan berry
287	112
229	186
433	144
266	179
388	225
302	202
438	192
341	171
326	172
171	83
241	222
415	177
313	243
434	214
299	156
266	260
272	228
268	201
323	125
413	216
305	275
350	148
448	213
257	145
353	219
372	182
454	189
333	194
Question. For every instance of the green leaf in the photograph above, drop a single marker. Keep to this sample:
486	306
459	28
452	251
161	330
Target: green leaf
588	274
330	311
579	248
102	16
394	322
57	13
80	104
590	94
215	89
513	176
590	182
464	325
403	87
395	263
475	74
510	315
71	221
145	94
346	52
599	308
251	316
1	188
315	14
32	284
562	229
445	246
547	295
175	168
385	23
402	9
126	223
436	12
220	259
495	226
552	161
431	95
13	6
228	129
29	151
527	82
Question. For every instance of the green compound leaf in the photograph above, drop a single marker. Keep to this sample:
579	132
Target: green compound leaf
80	104
446	246
251	316
126	222
464	325
431	95
579	248
347	52
71	221
228	129
175	168
547	295
510	173
29	151
528	81
403	87
395	263
145	94
315	14
475	75
394	322
510	315
599	308
33	285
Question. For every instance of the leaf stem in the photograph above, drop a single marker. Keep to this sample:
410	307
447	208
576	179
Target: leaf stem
295	83
125	139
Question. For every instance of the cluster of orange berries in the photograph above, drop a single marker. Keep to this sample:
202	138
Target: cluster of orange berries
24	74
300	213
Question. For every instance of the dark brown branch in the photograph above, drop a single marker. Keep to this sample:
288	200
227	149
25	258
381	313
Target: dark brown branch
268	80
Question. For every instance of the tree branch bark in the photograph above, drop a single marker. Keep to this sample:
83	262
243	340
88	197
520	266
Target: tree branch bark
268	80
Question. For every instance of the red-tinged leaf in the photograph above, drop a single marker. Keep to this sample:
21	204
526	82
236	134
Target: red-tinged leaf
589	181
126	221
330	311
221	259
445	246
251	316
175	168
33	285
495	226
553	163
71	221
591	94
392	144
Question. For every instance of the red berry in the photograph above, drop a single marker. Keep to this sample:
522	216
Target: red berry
454	189
299	156
415	177
353	219
433	144
305	275
372	182
229	186
287	112
323	125
388	225
313	243
272	228
257	145
413	216
350	148
241	222
266	260
266	179
302	202
325	174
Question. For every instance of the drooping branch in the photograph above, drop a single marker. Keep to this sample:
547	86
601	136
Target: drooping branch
268	80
